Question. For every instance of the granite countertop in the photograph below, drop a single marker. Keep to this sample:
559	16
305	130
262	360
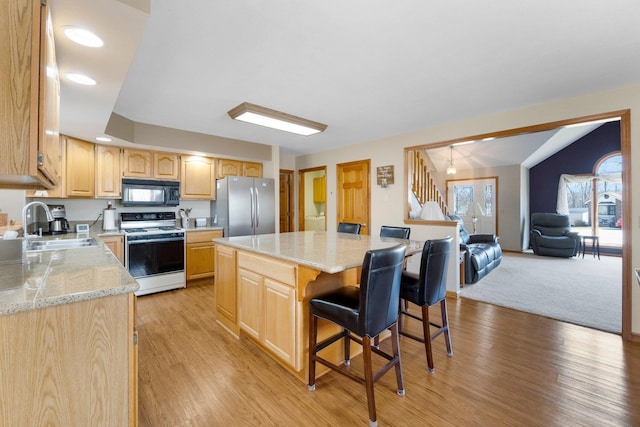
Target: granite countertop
48	278
330	252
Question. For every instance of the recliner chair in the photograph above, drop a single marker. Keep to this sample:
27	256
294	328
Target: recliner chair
551	235
483	253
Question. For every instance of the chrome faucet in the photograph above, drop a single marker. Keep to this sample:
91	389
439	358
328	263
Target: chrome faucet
24	215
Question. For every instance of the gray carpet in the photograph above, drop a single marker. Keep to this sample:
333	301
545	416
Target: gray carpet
585	292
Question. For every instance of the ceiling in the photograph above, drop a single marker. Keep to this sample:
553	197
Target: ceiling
368	69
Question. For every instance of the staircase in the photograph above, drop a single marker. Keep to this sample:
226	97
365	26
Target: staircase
422	183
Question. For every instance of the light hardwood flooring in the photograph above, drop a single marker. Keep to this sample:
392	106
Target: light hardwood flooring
508	369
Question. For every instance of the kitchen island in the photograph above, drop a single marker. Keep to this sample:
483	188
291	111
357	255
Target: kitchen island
68	353
264	283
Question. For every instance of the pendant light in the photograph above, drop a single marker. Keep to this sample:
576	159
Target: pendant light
451	170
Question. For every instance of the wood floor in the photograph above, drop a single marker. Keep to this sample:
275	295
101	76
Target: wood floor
508	369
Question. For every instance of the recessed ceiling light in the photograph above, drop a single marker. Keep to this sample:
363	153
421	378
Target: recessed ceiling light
83	37
81	79
262	116
103	139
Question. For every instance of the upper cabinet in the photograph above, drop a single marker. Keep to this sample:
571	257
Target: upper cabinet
80	168
252	169
228	167
136	163
108	178
29	97
150	165
198	178
166	166
319	190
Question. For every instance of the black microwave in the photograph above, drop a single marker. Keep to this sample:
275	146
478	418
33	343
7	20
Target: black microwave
147	192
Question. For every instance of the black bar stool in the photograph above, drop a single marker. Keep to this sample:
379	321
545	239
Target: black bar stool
397	232
349	227
365	312
426	290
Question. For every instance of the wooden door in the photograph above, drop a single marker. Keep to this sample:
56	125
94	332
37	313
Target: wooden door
198	178
353	193
166	166
286	201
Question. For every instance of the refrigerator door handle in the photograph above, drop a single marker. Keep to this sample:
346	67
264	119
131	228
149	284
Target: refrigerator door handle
253	214
257	208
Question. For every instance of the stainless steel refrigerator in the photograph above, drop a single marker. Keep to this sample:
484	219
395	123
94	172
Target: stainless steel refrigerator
246	206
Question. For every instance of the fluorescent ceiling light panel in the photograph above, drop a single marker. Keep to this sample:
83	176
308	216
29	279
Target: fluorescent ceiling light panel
103	139
262	116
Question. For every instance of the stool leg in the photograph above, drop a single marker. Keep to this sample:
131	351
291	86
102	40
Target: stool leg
427	337
313	335
445	326
395	344
598	247
347	347
368	377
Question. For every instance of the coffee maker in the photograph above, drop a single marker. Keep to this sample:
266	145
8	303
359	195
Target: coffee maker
59	225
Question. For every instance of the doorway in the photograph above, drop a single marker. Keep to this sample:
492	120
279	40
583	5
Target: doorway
623	116
286	200
312	199
353	193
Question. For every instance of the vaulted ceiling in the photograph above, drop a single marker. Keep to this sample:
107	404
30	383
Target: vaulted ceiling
367	68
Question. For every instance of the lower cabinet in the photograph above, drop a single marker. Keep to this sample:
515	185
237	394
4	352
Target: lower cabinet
71	364
267	304
116	244
200	253
225	283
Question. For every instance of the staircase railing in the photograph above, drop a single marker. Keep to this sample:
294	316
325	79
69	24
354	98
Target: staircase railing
423	185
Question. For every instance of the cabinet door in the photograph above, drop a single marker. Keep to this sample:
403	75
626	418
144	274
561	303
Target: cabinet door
279	322
319	190
137	163
198	178
80	168
116	245
250	310
225	283
49	160
166	166
252	169
229	168
108	176
200	260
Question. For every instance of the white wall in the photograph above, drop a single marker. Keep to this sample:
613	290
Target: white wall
12	202
390	151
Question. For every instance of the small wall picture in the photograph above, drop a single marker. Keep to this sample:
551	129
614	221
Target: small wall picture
384	175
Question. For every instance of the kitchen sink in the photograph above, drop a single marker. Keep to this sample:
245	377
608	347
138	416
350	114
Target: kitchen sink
52	245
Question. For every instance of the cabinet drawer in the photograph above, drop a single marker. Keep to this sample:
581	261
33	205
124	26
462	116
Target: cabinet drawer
280	271
203	236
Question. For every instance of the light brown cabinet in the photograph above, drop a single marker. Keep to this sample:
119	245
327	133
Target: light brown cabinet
76	365
150	164
319	190
116	245
166	166
267	303
228	167
108	175
136	163
252	169
201	253
198	178
225	283
29	97
80	170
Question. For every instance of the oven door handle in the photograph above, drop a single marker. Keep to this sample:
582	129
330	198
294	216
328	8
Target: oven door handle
169	239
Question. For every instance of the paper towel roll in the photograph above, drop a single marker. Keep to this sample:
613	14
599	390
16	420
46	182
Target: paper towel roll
109	220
